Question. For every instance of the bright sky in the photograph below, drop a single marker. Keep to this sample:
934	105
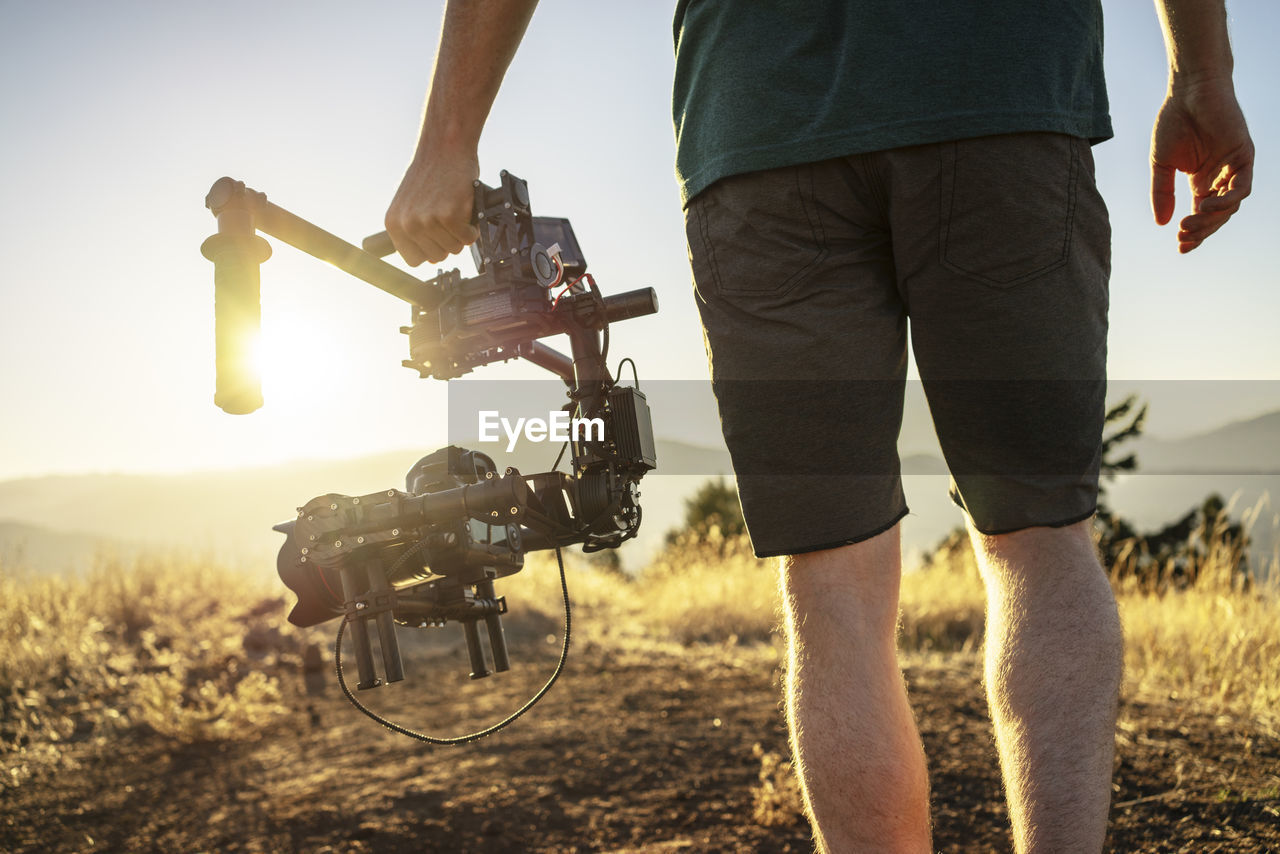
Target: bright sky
118	116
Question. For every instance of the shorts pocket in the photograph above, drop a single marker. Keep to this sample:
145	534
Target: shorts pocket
1008	206
755	234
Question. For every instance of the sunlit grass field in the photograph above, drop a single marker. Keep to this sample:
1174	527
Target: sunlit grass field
192	652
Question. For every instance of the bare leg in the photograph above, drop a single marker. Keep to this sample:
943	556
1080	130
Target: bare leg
1053	662
854	740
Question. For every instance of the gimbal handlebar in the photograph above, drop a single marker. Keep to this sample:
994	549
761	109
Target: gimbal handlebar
237	253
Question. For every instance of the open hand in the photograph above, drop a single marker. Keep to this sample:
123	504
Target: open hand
1200	130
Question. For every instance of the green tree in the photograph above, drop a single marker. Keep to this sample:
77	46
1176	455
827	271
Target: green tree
1126	421
715	503
1175	554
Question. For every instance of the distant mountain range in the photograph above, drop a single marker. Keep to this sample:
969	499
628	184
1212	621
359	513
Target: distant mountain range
66	521
1251	447
44	549
1240	461
57	523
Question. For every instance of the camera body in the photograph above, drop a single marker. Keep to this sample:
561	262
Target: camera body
520	259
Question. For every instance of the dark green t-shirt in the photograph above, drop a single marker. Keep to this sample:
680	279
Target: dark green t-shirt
766	83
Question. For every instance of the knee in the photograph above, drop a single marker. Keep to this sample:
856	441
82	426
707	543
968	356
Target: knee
1047	574
866	566
853	587
1033	553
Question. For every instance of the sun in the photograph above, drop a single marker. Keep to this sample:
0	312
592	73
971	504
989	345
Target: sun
286	352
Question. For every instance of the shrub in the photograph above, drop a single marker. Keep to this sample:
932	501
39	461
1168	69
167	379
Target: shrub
714	505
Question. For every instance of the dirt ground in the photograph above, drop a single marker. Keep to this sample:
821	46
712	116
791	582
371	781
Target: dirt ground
644	749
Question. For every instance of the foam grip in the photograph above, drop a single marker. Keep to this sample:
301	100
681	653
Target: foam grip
237	312
631	304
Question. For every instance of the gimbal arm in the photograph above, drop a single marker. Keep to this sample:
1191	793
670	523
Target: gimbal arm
237	253
231	200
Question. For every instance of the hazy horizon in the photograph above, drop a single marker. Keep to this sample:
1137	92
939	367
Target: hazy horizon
1159	429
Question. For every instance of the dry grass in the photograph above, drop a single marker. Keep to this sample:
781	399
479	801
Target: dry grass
1213	646
698	590
166	645
1216	651
709	589
777	800
181	649
942	603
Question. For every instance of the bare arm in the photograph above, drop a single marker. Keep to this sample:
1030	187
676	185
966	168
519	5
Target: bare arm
430	216
1200	129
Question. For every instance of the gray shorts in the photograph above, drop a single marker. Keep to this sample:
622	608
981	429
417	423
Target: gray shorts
998	251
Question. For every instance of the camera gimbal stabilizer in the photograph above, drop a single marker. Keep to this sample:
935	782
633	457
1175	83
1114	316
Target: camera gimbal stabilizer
430	554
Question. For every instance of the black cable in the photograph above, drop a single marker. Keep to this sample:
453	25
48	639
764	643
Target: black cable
475	736
410	552
542	519
598	298
635	375
559	457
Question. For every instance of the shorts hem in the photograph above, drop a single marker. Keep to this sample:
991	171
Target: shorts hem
833	545
1060	524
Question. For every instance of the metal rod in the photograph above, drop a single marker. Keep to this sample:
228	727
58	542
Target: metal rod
493	622
352	589
546	357
392	664
590	373
315	241
479	669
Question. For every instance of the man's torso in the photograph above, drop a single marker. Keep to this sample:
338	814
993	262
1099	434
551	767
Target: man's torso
766	84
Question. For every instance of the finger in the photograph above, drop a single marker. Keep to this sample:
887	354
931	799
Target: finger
1234	190
438	241
1199	235
1242	179
1205	219
1188	241
409	251
1162	197
1191	238
433	251
440	238
431	239
404	244
1203	184
1230	200
461	231
417	245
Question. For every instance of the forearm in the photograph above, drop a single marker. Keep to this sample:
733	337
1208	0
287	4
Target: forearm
430	216
1195	37
477	42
